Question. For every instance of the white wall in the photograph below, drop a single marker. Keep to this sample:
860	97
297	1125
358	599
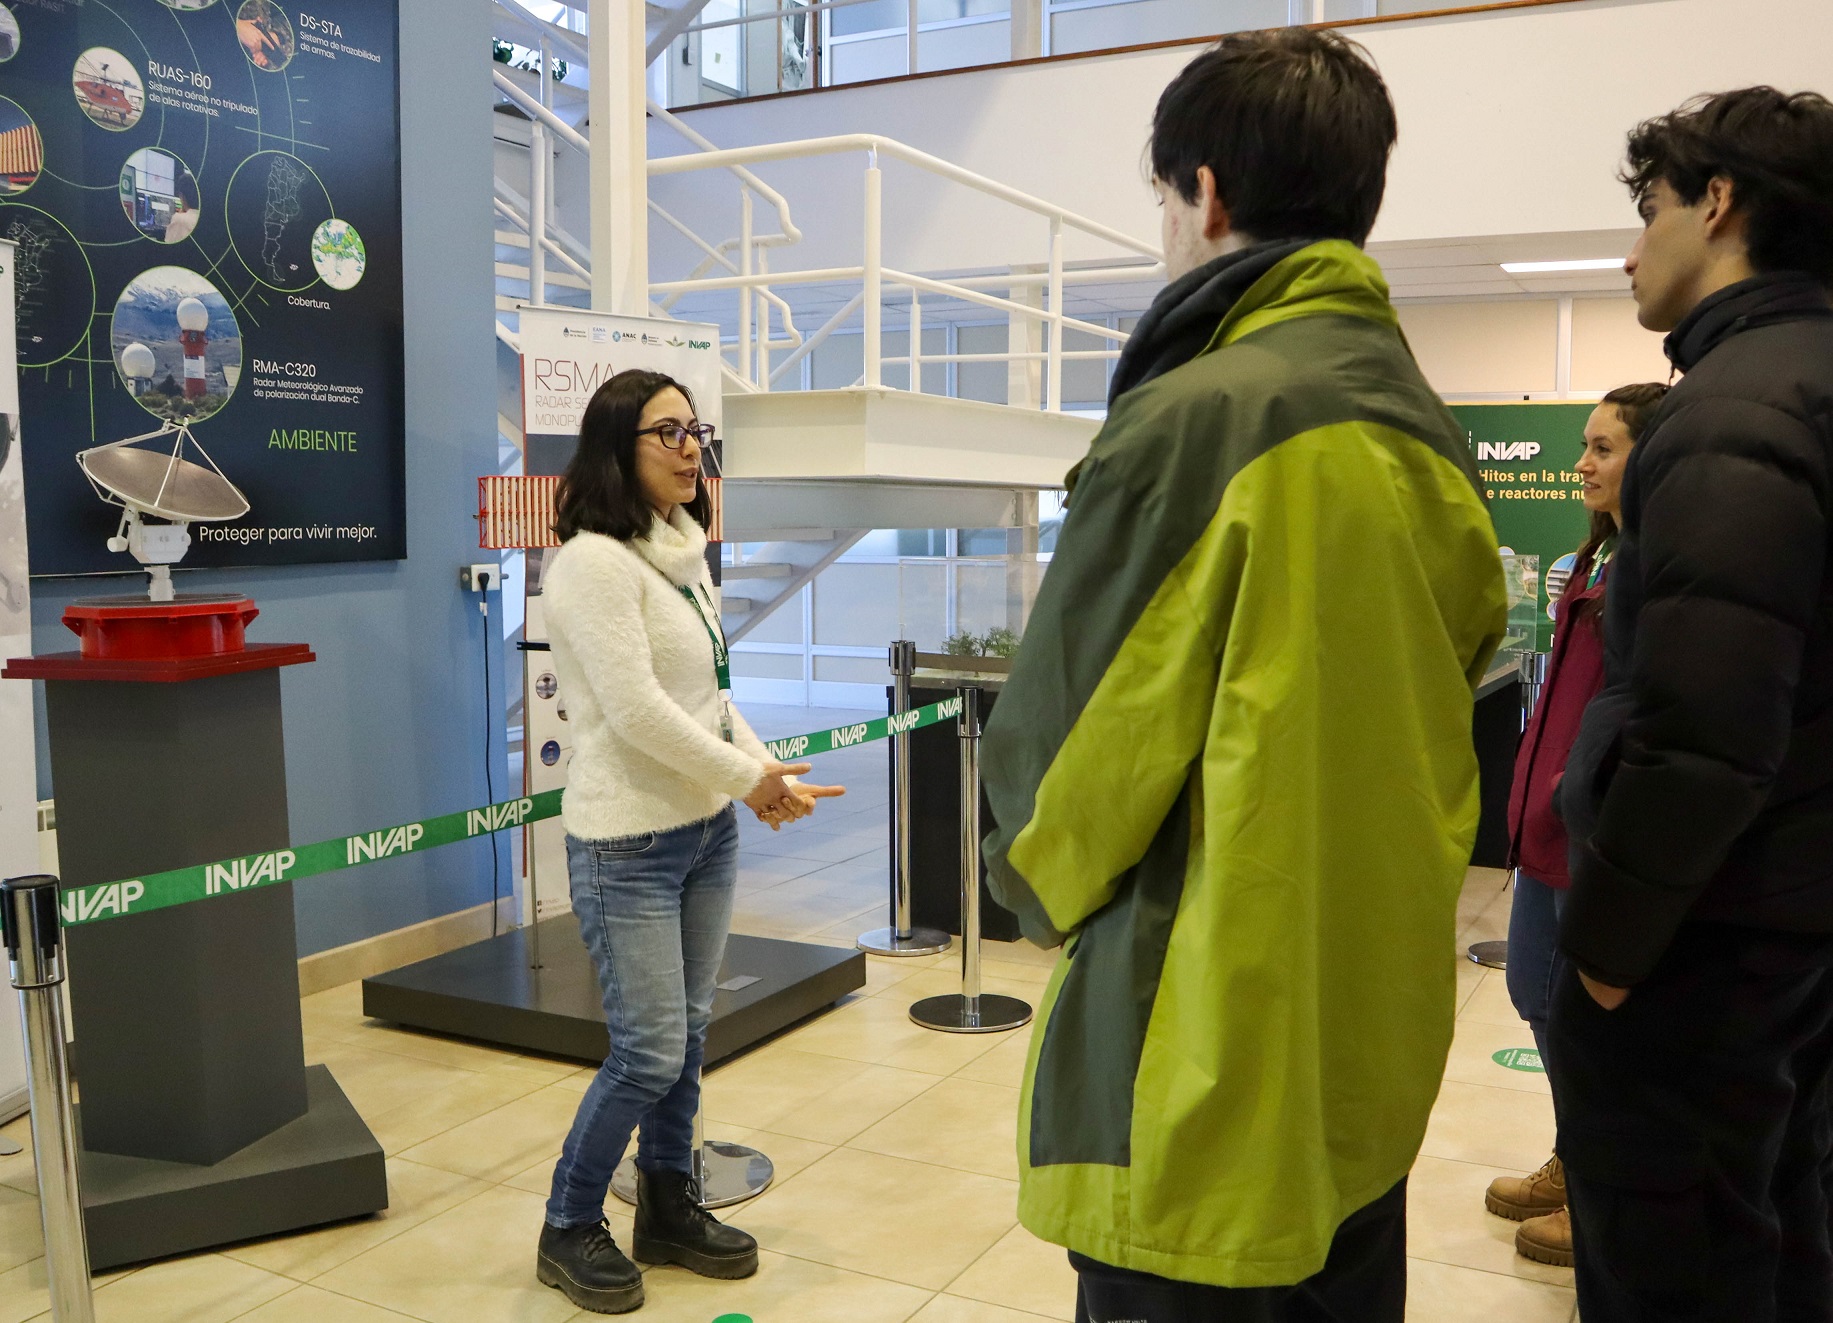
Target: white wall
1512	123
1510	347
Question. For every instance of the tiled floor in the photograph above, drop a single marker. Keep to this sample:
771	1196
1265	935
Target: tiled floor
894	1148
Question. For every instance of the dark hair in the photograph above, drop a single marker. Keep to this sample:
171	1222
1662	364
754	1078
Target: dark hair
1635	405
1777	151
600	491
1295	124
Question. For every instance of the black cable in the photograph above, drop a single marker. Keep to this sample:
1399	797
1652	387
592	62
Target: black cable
496	880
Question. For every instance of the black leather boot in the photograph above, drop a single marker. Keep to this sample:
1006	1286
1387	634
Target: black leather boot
672	1227
586	1264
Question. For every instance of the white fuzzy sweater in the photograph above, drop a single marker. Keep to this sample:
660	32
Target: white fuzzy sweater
635	666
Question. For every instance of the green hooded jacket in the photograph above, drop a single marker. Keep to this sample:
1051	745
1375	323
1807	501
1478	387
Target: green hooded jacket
1233	766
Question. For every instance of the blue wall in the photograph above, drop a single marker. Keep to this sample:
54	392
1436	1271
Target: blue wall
388	725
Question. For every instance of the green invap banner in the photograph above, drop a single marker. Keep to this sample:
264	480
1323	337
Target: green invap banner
798	747
1524	454
180	886
156	891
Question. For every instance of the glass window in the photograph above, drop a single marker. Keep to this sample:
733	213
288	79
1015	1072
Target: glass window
873	16
1084	379
721	57
856	604
982	381
838	361
940	11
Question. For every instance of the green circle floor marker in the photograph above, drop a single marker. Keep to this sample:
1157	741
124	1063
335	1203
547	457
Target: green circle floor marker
1510	1058
733	1318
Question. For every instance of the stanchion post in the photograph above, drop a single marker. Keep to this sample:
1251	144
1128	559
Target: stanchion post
970	1011
724	1174
902	937
35	952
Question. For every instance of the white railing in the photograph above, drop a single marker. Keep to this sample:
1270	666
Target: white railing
875	278
741	264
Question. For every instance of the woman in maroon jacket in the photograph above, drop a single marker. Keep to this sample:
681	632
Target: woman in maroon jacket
1575	673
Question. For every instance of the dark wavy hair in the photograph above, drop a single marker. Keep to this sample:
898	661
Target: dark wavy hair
600	491
1636	406
1296	125
1777	151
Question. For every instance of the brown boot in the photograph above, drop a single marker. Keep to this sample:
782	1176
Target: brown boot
1520	1197
1546	1239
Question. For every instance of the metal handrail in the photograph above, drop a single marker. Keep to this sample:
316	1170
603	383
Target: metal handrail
891	147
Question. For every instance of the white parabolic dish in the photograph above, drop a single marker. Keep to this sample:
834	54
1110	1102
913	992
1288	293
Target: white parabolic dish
166	485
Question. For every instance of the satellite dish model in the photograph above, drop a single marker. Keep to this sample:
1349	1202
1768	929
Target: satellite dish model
165	487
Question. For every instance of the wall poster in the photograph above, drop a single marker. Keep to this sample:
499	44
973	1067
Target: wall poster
205	197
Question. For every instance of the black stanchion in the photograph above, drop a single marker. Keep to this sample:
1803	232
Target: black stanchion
969	1011
900	937
29	924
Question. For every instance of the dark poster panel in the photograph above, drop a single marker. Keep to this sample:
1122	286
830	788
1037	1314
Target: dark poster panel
206	196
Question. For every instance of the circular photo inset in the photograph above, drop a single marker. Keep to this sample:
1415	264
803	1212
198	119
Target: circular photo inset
562	711
550	752
338	254
266	34
54	294
9	35
546	686
108	88
159	194
275	206
176	344
22	150
187	4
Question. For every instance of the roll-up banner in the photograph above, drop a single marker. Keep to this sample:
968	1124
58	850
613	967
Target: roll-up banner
1524	454
567	354
18	770
206	200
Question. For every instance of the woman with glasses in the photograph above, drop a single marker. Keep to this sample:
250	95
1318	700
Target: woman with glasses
660	756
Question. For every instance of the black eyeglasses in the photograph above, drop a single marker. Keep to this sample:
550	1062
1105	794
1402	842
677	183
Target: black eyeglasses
675	435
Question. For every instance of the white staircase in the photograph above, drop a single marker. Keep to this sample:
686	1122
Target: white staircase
808	473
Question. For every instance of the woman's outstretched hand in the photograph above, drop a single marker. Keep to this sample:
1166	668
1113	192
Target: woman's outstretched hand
809	795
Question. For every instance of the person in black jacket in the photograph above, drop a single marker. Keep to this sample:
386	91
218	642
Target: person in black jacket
1695	1029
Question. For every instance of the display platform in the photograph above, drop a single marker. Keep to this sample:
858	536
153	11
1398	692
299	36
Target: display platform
322	1167
487	992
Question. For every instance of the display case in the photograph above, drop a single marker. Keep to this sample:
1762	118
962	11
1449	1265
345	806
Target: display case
967	614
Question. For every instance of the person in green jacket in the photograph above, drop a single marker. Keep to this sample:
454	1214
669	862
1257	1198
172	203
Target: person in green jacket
1232	770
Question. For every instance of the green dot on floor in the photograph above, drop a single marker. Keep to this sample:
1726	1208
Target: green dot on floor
733	1318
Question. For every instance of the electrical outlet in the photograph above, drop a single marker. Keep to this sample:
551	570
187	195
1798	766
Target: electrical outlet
480	578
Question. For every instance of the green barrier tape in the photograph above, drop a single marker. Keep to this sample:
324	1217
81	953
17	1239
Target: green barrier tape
798	747
180	886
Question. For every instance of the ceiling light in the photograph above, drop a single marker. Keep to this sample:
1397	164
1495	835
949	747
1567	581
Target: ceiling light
1583	264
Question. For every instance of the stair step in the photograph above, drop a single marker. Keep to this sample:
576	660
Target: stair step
757	571
736	606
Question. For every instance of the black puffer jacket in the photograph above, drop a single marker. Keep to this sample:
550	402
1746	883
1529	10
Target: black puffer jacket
1701	785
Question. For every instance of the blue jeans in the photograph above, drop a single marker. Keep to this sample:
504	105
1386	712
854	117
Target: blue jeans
1534	958
654	911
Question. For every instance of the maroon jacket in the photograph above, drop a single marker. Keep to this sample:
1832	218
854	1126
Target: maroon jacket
1574	677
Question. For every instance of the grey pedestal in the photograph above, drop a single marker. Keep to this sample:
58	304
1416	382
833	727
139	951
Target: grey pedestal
201	1124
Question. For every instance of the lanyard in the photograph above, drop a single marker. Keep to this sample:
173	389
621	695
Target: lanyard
722	662
1601	562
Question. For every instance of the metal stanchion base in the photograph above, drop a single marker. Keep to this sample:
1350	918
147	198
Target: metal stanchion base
1491	955
729	1174
921	941
988	1013
9	1149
